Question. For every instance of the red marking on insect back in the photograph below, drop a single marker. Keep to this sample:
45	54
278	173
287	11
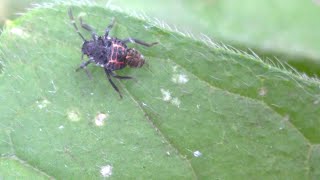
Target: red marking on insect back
117	52
115	62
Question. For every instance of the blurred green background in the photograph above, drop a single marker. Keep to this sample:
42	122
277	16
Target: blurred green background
286	31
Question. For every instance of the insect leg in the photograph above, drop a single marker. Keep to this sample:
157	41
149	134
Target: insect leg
111	82
89	28
74	24
137	41
109	27
119	77
84	66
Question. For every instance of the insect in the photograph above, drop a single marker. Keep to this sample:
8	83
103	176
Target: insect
110	53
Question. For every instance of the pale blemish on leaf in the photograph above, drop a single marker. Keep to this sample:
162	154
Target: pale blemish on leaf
180	78
263	91
19	32
175	101
100	119
43	104
166	95
285	119
54	88
73	115
106	171
174	68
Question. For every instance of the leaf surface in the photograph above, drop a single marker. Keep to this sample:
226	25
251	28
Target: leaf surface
197	110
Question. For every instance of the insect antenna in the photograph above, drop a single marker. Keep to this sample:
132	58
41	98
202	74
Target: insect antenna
74	24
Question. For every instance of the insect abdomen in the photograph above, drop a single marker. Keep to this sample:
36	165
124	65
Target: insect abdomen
134	58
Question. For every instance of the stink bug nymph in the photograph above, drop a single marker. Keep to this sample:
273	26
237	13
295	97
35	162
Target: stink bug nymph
110	53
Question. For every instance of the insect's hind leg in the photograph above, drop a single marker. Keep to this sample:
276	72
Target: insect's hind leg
119	77
137	41
111	82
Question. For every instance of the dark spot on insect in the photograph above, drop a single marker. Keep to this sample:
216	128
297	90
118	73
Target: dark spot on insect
108	52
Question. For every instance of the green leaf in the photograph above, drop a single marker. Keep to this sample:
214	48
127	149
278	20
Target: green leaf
197	111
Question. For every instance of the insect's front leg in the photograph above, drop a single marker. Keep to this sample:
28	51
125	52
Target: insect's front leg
120	77
109	27
89	28
84	66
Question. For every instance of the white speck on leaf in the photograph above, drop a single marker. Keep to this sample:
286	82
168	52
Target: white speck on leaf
175	101
180	78
197	154
42	104
174	68
282	126
263	91
73	116
19	32
61	127
100	119
54	88
106	171
283	122
166	95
